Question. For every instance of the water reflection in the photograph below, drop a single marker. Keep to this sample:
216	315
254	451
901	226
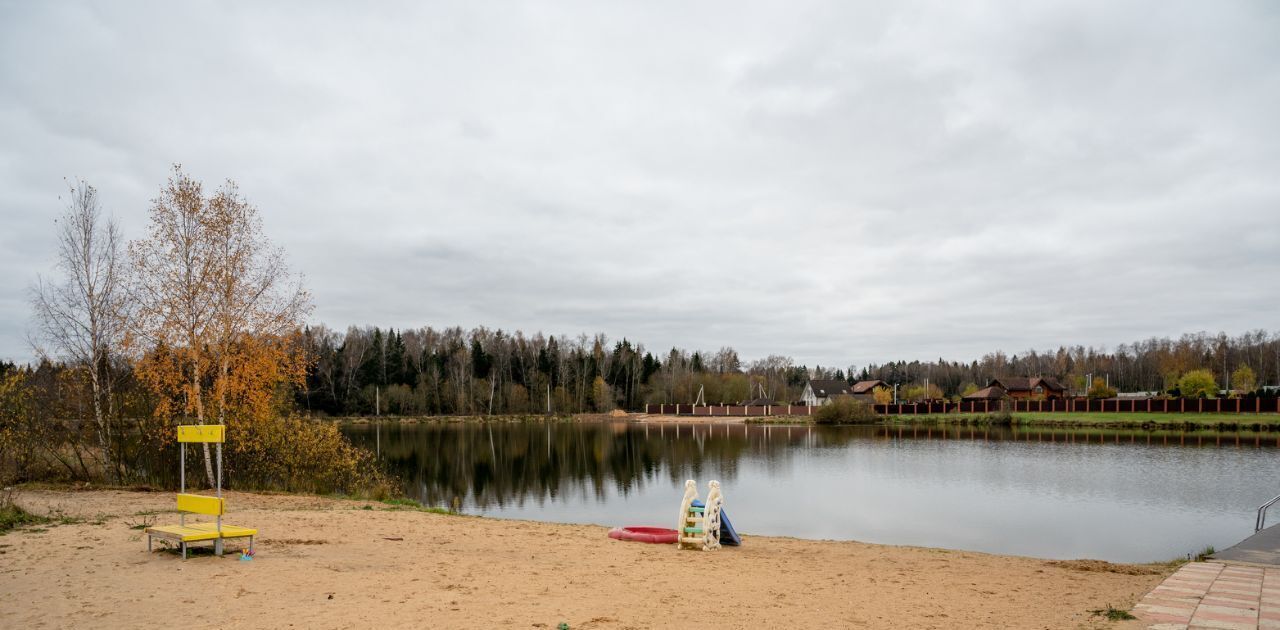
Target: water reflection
1115	494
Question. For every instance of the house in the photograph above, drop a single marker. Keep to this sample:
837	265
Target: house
1024	388
818	392
866	390
995	392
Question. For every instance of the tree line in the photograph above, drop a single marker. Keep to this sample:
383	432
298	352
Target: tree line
1244	363
429	371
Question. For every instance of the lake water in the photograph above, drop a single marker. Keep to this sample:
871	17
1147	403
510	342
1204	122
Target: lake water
1125	496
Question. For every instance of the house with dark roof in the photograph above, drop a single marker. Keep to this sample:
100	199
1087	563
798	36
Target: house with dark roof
818	392
994	392
865	388
1026	388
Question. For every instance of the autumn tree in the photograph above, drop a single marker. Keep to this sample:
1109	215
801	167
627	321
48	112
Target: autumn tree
1198	384
882	395
1100	390
81	314
1243	379
257	309
218	309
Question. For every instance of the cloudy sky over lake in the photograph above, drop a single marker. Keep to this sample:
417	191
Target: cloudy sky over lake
842	184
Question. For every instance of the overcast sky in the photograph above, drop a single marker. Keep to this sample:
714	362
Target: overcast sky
842	184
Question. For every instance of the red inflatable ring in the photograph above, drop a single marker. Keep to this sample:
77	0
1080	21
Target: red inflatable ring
656	535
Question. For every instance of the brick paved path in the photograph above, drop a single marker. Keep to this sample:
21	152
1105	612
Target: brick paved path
1214	595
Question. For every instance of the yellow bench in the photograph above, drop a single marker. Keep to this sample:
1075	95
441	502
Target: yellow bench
195	532
182	533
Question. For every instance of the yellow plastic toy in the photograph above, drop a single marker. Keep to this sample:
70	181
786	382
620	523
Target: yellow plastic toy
182	533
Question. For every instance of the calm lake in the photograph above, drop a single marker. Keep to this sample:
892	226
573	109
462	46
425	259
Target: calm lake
1125	496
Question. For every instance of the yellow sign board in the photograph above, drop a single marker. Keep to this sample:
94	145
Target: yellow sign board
202	433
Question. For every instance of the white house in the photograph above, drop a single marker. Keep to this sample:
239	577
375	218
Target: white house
818	392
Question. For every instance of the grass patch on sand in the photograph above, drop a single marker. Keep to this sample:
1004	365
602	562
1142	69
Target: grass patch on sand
1112	614
405	503
12	516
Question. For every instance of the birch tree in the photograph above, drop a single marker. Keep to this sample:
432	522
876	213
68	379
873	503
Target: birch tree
174	290
218	298
80	315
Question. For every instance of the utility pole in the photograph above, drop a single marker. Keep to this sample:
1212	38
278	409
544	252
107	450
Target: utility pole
377	401
548	399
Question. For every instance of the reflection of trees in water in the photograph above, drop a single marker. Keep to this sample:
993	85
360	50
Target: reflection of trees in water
487	464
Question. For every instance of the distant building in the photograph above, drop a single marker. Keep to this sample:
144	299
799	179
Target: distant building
1021	387
1137	395
866	389
995	392
818	392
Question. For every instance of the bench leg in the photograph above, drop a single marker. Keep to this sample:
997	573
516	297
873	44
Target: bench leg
148	543
217	547
184	551
251	545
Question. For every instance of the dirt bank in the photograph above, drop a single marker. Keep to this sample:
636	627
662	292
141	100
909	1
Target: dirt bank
326	563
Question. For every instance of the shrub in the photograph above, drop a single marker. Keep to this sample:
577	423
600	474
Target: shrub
1198	384
1100	390
844	410
298	455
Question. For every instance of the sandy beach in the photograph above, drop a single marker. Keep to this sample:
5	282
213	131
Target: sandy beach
330	563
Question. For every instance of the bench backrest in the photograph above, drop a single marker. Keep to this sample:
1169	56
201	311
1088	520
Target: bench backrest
200	504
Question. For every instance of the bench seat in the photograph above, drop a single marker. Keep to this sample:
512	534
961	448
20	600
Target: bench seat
199	531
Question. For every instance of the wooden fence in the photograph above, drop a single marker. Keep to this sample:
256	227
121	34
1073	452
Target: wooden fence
1069	405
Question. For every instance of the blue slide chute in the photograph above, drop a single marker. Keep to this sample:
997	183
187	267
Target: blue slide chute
728	535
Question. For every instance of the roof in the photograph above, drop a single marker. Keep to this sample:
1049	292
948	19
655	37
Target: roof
995	392
865	387
826	388
1026	384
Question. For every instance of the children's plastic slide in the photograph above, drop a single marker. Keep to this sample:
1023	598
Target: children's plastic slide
728	535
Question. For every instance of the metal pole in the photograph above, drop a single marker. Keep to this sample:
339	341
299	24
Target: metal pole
217	544
182	483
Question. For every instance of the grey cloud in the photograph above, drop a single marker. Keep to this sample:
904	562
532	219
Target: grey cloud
842	183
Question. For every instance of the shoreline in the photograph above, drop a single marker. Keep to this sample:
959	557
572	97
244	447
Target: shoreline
1266	422
328	562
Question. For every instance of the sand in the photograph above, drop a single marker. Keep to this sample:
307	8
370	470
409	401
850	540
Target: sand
328	563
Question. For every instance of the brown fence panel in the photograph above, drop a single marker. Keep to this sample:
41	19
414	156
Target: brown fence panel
1168	405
